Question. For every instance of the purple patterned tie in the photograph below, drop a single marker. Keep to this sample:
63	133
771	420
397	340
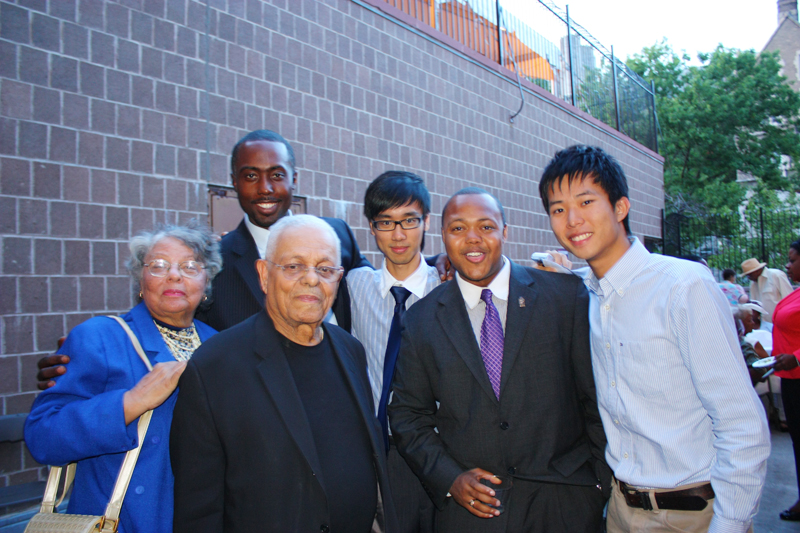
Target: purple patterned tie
492	342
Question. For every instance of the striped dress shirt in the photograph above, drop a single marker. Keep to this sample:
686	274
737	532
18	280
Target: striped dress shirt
372	309
674	394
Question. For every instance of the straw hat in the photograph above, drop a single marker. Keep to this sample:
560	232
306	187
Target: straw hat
751	265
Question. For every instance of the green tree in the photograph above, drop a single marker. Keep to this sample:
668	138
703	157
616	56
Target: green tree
733	112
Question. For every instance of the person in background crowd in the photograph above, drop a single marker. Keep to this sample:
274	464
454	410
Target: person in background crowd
274	429
756	306
397	206
768	285
687	436
90	415
751	352
734	292
494	378
786	350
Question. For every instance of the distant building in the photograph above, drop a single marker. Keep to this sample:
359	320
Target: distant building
786	41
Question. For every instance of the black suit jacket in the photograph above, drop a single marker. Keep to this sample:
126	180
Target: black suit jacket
236	292
241	445
546	426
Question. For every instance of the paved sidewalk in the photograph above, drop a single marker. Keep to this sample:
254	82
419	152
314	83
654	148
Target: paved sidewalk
781	489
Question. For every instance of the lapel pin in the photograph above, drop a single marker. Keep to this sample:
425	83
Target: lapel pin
521	301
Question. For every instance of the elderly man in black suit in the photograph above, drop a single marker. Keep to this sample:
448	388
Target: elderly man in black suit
274	428
494	377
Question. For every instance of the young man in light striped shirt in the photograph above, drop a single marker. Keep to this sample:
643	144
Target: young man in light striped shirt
687	436
397	206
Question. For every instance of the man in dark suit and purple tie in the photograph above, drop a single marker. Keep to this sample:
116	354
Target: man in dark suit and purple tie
494	378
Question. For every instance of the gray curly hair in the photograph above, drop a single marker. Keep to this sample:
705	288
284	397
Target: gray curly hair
195	235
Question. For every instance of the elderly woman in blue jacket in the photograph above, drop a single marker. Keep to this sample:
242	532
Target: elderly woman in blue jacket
90	415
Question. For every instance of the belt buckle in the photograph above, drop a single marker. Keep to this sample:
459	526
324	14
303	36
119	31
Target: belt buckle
644	497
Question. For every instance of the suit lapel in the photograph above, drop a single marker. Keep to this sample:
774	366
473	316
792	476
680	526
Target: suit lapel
245	248
520	291
351	374
149	337
454	320
278	381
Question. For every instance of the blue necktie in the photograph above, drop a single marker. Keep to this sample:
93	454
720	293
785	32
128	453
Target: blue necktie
400	294
492	342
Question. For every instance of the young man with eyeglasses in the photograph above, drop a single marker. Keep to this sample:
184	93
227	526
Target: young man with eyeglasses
397	206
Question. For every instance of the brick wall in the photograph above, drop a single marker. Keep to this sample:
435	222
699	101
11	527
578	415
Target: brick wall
118	115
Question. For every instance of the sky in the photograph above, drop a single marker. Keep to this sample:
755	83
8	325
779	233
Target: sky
690	25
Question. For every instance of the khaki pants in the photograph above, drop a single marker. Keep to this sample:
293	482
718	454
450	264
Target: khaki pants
624	519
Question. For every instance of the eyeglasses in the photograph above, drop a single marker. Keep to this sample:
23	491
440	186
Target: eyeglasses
390	225
159	268
295	271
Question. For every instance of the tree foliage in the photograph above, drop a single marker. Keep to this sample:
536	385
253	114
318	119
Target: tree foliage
733	112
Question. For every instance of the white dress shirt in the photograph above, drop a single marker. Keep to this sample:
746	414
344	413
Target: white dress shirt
372	310
771	287
476	308
260	236
672	387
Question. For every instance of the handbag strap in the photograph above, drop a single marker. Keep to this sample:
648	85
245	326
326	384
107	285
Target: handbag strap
134	341
110	518
129	463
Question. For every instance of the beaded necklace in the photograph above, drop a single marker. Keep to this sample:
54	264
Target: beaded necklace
181	342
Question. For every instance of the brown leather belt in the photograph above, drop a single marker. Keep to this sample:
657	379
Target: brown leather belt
694	499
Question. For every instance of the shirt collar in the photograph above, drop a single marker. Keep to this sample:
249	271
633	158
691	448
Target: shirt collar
499	286
260	235
415	282
622	273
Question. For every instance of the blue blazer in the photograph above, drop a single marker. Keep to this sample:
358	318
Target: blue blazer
81	419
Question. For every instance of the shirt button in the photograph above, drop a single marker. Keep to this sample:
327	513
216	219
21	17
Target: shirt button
619	292
512	471
608	345
324	528
139	490
616	421
503	425
625	455
613	383
156	439
608	307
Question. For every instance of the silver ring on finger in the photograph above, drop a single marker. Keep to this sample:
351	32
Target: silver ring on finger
472	503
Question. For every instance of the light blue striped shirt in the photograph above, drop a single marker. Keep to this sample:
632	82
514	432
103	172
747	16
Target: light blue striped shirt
673	390
372	309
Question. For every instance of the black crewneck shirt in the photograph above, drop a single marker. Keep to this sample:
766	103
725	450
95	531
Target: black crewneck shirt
340	435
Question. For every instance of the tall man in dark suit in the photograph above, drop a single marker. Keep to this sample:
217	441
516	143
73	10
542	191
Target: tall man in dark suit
264	176
494	377
274	429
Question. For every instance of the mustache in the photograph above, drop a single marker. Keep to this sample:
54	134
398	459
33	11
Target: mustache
266	199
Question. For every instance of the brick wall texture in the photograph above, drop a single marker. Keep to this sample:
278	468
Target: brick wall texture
117	115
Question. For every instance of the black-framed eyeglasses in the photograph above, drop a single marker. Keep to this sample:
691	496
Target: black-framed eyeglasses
295	271
160	268
390	225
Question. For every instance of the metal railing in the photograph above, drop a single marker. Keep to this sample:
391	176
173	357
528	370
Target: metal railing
559	56
724	241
